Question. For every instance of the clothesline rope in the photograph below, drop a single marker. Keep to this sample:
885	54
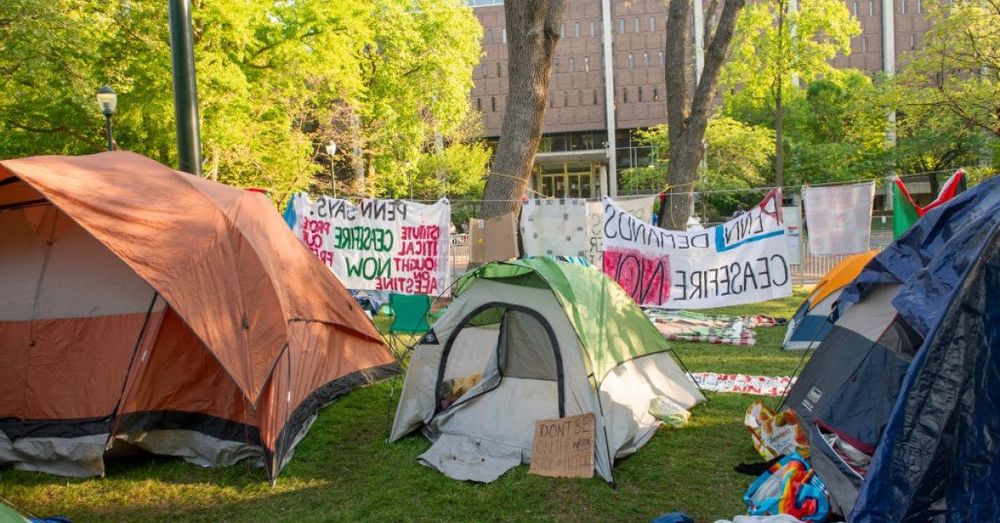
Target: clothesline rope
785	188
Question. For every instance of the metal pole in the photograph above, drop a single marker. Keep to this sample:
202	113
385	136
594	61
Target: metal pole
185	88
107	130
333	177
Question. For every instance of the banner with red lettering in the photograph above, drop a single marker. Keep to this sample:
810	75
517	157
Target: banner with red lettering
743	260
743	383
391	245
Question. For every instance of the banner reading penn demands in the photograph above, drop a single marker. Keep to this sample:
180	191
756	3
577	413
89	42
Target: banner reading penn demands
388	245
744	260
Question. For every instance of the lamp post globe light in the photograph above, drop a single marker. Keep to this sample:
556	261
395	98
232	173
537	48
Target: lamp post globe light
107	100
331	149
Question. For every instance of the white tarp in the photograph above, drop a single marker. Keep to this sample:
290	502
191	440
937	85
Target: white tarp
793	222
838	218
554	227
744	260
389	245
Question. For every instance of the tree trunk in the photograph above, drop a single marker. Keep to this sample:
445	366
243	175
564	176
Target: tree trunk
532	35
686	122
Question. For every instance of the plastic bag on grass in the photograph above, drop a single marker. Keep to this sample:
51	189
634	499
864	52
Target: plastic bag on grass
669	412
775	434
789	487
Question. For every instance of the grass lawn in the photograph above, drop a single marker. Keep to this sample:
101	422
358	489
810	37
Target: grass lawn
345	471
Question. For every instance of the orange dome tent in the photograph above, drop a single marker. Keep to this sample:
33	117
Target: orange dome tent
145	305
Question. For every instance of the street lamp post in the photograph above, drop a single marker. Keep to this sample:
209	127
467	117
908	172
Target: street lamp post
107	100
331	149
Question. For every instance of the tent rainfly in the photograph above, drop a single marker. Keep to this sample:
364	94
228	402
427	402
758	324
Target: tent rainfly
534	339
812	320
145	307
900	399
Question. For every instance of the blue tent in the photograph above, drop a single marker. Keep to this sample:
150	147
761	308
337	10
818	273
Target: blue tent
902	398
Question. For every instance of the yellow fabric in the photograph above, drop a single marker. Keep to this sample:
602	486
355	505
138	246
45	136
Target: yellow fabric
839	276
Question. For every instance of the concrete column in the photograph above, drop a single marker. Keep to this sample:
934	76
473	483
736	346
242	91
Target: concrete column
608	38
889	68
699	40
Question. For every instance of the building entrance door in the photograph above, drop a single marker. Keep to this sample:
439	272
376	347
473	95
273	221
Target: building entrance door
569	180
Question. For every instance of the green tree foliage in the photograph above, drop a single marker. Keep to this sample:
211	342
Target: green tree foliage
764	56
775	44
738	157
276	81
834	128
948	92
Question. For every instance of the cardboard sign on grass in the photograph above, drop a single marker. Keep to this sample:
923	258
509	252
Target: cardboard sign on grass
564	447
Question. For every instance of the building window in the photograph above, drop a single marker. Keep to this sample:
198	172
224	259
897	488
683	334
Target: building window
586	64
913	41
640	93
565	99
579	98
631	61
555	65
592	28
854	9
552	102
652	24
499	69
576	29
864	44
661	57
645	58
562	30
572	65
871	7
493	103
489	36
503	35
656	93
621	25
486	71
902	7
595	96
920	6
635	22
479	104
624	95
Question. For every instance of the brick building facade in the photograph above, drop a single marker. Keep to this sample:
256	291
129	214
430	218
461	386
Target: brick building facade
574	158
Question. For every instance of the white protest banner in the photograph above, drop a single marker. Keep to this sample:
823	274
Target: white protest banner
639	206
390	245
744	260
554	227
839	218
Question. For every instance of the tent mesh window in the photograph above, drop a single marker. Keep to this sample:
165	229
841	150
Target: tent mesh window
493	343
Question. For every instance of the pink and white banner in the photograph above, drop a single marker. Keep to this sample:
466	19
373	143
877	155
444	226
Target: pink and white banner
744	260
390	245
743	383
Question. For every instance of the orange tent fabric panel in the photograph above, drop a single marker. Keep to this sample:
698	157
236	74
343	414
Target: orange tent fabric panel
839	276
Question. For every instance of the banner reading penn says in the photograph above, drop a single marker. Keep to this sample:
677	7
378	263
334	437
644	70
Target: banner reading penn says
390	245
744	260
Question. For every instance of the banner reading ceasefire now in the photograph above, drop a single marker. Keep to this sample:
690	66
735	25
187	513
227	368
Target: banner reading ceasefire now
744	260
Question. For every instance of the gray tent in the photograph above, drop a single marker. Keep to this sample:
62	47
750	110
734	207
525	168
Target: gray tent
528	340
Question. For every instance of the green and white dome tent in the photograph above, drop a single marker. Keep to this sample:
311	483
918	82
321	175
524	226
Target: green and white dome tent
534	339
